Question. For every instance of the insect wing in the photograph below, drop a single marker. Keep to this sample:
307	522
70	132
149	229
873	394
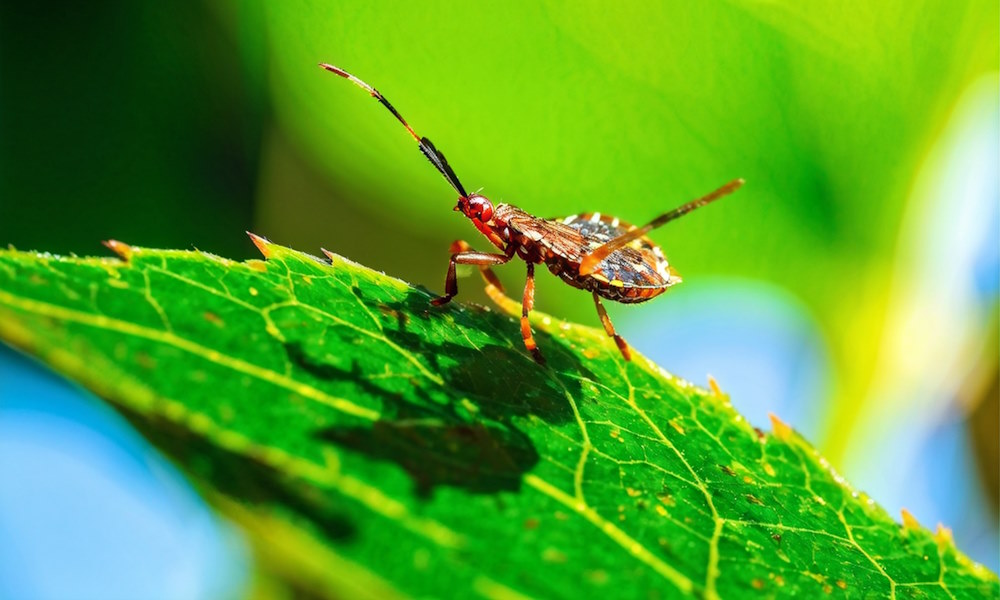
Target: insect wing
553	235
640	263
597	228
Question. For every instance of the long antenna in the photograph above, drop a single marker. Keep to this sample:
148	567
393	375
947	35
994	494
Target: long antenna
589	263
426	147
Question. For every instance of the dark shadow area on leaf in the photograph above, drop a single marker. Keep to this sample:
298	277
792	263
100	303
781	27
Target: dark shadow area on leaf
434	443
503	381
392	400
480	458
240	477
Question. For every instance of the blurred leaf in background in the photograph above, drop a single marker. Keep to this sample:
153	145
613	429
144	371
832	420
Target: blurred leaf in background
128	120
859	260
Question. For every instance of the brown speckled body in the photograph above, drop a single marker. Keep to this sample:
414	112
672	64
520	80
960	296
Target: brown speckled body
634	273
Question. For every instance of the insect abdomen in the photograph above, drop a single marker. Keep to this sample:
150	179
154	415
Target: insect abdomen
618	290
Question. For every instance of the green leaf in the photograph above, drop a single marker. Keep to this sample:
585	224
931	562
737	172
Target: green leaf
373	445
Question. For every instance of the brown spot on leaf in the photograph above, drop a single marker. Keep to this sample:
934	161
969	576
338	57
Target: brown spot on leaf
402	319
213	318
597	577
144	360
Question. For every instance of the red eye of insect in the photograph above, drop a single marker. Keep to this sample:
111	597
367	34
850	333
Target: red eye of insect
481	208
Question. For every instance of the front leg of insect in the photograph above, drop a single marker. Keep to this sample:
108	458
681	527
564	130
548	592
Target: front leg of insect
493	285
602	255
463	255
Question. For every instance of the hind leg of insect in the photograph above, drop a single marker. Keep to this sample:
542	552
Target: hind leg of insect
463	255
610	329
527	303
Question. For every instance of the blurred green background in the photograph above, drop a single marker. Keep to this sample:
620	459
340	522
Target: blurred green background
850	287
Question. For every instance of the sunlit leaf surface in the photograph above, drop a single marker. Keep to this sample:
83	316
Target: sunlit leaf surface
373	445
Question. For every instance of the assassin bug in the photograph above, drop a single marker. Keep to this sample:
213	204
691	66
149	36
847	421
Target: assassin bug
598	253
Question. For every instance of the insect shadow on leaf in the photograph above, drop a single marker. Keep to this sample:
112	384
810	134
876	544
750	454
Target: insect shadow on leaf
433	441
480	457
501	380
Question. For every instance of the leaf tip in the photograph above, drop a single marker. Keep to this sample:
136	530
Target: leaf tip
909	521
781	430
262	244
944	537
123	250
714	386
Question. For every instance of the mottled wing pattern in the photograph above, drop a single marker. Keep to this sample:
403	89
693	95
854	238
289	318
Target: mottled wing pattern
641	264
561	239
598	228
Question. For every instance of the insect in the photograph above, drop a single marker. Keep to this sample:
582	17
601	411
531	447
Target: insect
599	253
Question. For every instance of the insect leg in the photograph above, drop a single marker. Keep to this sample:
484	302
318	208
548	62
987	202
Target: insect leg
466	257
527	303
610	329
488	275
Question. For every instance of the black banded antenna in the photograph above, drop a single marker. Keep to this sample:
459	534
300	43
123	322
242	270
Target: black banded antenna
426	147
